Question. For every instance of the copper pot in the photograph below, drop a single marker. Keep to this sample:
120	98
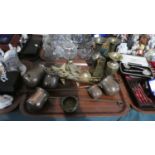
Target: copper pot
34	76
37	100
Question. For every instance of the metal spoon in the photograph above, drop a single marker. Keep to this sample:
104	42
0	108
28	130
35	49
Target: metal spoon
144	71
136	67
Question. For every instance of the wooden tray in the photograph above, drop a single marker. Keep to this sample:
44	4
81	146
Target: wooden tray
134	104
17	100
106	106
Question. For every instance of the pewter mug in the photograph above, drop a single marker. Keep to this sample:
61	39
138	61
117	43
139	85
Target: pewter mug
95	92
33	76
112	67
51	81
109	86
37	100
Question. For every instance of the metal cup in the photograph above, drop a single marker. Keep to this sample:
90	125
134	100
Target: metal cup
37	100
109	86
112	67
13	62
95	92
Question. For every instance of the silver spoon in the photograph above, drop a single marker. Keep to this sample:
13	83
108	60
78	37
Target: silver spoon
144	71
128	67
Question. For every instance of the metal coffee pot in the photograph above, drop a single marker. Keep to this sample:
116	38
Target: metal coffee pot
37	100
50	81
112	67
109	86
33	76
95	92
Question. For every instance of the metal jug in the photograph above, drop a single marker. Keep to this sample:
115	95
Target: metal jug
34	76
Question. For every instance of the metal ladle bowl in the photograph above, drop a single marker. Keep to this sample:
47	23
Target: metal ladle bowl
146	72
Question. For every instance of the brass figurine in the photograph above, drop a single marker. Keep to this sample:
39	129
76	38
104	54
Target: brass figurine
70	71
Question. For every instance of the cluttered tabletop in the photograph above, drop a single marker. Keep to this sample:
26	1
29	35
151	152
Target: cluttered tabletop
77	77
